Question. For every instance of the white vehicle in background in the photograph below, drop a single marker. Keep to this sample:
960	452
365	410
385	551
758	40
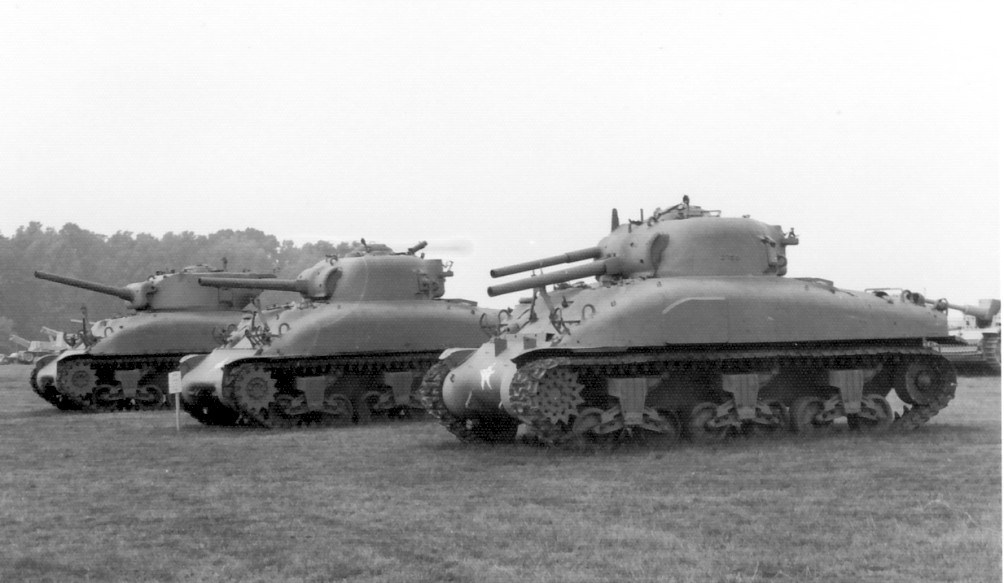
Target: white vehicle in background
978	340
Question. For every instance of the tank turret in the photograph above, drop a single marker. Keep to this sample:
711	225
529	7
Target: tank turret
690	328
367	277
667	244
170	290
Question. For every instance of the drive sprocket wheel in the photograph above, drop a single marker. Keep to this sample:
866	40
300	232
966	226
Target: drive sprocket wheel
545	395
559	394
77	381
253	391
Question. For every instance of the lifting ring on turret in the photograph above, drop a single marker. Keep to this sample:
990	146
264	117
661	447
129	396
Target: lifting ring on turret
108	331
283	328
592	311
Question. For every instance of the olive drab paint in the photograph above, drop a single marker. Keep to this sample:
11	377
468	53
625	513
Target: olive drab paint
690	327
123	363
354	348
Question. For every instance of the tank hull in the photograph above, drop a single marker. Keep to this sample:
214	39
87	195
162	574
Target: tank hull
331	363
697	355
127	368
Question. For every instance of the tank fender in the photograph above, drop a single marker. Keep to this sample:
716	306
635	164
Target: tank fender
189	362
47	371
454	357
41	362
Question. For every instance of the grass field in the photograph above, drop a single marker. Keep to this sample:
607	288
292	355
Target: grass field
124	497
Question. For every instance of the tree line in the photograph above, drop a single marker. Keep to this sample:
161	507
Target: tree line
28	303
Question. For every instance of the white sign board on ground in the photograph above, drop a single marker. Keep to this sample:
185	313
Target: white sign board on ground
174	388
174	382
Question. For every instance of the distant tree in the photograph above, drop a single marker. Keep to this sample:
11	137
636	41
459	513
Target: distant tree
6	329
122	258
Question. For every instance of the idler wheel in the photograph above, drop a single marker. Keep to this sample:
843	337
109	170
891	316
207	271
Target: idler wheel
919	383
697	425
803	414
876	406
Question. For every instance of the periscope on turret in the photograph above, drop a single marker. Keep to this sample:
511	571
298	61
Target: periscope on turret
690	329
354	348
123	363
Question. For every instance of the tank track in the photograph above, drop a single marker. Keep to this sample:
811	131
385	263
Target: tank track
992	352
86	402
522	389
255	416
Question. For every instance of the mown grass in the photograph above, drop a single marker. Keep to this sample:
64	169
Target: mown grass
123	497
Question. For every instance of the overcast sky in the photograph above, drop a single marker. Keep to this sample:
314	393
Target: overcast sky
505	131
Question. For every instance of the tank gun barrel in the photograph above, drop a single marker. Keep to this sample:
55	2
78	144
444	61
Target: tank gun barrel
294	285
111	290
592	269
979	312
570	257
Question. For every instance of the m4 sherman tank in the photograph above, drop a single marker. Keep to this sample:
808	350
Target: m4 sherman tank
368	327
124	362
691	328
